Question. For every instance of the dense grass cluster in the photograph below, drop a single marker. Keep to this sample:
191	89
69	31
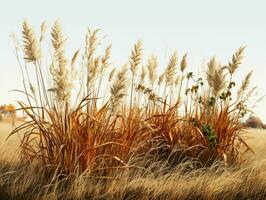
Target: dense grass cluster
88	119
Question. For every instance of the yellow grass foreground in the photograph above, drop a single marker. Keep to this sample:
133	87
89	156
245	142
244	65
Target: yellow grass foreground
241	182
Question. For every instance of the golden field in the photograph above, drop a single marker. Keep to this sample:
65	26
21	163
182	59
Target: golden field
8	147
211	183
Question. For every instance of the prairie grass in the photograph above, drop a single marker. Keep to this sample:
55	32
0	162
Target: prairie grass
19	181
127	133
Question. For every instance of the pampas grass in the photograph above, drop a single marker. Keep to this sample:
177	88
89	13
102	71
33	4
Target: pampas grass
152	69
32	50
107	136
183	64
215	77
236	60
170	70
62	79
118	89
134	60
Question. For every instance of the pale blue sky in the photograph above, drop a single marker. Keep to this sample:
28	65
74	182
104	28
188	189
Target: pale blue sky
202	28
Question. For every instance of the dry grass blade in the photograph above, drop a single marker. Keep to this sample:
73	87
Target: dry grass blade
152	69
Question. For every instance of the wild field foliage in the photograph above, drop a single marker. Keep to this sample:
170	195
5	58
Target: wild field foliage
84	114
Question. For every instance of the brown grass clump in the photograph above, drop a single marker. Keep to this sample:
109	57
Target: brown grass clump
135	131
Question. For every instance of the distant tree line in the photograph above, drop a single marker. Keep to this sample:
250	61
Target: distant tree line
254	122
7	111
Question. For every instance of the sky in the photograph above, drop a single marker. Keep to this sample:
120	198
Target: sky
202	29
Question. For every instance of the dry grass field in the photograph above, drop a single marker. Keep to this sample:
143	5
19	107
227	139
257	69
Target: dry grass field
245	182
10	147
256	139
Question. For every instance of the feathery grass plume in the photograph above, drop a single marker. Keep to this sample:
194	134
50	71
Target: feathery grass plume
236	60
170	73
73	71
134	60
152	68
43	30
215	76
177	80
211	67
106	58
94	69
183	64
58	42
143	74
105	62
170	70
32	49
161	79
57	36
118	89
32	53
218	81
160	82
74	59
136	56
91	63
91	42
62	83
62	77
111	75
245	84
